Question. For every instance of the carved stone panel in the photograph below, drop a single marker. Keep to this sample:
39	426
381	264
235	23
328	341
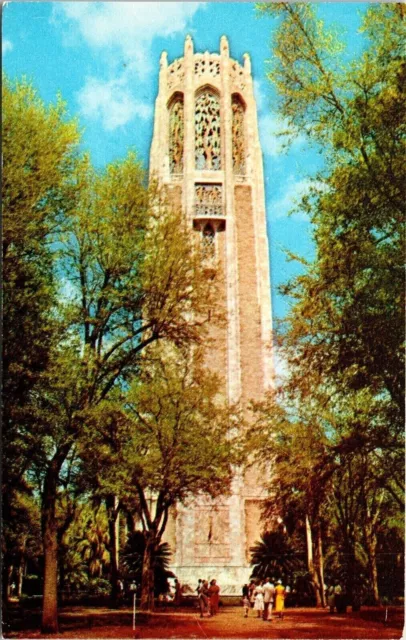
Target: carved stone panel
205	65
208	200
176	73
207	131
238	135
176	135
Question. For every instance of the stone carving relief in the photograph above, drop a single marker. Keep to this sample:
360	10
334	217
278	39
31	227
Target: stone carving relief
176	135
208	200
238	135
204	65
175	73
207	131
212	535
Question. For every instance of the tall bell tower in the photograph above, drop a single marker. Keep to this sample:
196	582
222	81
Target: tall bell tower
206	153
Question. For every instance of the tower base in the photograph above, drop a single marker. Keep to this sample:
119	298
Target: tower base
229	579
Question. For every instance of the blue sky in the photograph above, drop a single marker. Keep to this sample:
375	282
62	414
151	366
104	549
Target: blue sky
104	59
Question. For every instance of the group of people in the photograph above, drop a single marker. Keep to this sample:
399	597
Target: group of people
209	597
265	598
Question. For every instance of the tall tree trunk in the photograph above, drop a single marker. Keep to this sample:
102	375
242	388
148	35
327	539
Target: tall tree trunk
310	562
62	577
7	569
20	576
50	541
148	578
320	565
113	510
371	544
349	550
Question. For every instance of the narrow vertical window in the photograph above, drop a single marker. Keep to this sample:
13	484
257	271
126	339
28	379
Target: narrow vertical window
208	241
238	135
176	135
207	131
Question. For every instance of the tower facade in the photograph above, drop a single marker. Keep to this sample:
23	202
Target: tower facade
206	153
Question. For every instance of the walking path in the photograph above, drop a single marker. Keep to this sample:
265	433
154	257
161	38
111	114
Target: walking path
81	622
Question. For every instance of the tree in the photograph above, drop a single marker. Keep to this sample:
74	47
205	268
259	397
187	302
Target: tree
40	148
343	335
129	275
133	556
297	451
174	442
354	291
135	279
277	555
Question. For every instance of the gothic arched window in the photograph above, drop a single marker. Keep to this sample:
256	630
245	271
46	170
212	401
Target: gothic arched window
207	131
208	241
238	135
176	134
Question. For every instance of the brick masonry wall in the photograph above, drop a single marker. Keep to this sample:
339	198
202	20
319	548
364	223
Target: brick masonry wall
250	319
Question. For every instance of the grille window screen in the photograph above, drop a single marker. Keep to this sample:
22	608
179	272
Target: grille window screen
207	131
208	200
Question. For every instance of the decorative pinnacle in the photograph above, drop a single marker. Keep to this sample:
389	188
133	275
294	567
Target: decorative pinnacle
188	44
247	62
224	45
163	61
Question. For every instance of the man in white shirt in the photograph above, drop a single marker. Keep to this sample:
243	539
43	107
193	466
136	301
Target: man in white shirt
269	594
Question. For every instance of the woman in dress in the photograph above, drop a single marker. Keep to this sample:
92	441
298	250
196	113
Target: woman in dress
279	599
259	600
214	595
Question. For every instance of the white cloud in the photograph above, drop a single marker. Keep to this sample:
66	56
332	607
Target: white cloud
126	27
292	196
261	96
122	34
111	102
271	126
273	143
6	46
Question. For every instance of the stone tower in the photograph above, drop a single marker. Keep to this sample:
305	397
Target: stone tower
206	153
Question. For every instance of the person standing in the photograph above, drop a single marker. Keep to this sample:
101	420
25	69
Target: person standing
269	591
214	595
280	599
246	604
204	597
178	593
331	598
259	600
251	589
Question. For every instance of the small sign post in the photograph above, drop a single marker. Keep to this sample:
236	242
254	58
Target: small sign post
133	588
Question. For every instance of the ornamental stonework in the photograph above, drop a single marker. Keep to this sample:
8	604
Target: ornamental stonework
207	131
207	65
238	136
208	200
176	73
176	135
